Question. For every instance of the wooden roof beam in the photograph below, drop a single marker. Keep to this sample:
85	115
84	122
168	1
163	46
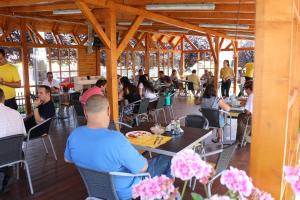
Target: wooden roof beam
40	38
221	42
10	3
130	33
161	43
178	42
212	48
44	8
93	20
192	44
140	3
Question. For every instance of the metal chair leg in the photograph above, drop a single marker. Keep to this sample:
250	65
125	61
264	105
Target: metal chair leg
164	115
45	145
52	147
18	170
28	177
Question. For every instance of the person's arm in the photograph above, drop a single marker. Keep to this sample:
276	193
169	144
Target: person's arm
145	168
224	105
15	84
37	117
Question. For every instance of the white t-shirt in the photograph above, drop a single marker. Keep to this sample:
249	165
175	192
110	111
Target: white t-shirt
147	93
249	103
11	122
54	83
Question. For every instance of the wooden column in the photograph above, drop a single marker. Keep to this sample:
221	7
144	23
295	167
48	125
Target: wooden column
181	67
127	62
216	74
133	57
158	60
236	63
172	59
147	54
25	66
111	63
273	94
98	67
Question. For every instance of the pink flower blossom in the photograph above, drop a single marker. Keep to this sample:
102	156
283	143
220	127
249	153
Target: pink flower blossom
292	176
237	181
188	164
155	188
261	195
217	197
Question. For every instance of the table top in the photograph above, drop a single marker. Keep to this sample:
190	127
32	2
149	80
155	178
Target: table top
188	139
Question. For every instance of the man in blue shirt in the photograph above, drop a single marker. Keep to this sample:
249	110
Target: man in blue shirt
98	148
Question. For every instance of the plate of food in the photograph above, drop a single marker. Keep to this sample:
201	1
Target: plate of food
135	134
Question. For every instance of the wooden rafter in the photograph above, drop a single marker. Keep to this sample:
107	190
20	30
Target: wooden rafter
40	38
93	20
9	3
161	43
221	42
31	37
130	33
178	42
140	40
212	48
188	41
228	46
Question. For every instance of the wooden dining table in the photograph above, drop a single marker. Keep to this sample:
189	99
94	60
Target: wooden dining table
186	140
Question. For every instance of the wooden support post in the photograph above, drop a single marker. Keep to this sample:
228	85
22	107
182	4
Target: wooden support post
98	67
271	122
25	66
127	62
147	54
158	61
111	62
215	53
236	63
133	57
181	67
172	59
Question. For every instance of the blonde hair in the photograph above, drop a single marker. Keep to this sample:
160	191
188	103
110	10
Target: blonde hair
96	104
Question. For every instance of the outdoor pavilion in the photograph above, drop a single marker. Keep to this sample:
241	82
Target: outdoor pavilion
277	48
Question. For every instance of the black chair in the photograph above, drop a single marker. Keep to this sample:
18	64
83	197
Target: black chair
190	86
100	184
11	154
142	110
196	121
41	131
160	107
213	117
79	113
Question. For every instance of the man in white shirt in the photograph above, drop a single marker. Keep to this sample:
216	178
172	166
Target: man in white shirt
11	123
52	83
246	115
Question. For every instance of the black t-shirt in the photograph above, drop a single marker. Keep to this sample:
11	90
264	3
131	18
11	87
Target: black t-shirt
47	110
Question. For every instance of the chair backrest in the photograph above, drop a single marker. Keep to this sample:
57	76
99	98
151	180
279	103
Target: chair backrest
196	121
143	107
78	109
74	97
190	86
98	184
40	129
224	158
160	102
11	149
212	115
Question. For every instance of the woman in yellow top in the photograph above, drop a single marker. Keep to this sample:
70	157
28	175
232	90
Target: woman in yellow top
226	75
9	80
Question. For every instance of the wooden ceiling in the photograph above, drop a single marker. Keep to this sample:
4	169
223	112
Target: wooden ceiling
40	14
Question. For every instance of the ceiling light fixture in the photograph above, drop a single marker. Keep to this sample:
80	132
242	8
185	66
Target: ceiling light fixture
240	35
66	12
130	23
229	26
196	6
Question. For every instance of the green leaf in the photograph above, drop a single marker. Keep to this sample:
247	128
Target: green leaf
196	196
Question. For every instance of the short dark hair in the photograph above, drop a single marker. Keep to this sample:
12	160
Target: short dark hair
49	73
249	85
209	91
2	96
101	82
161	72
46	87
194	71
2	51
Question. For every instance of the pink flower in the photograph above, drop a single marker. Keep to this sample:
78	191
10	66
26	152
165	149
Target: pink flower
216	197
237	181
292	176
188	164
155	188
261	195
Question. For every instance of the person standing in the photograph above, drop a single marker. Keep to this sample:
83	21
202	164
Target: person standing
249	71
9	80
226	75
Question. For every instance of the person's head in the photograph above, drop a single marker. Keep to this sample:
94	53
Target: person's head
161	74
226	63
49	76
2	57
2	97
206	72
209	91
125	81
168	80
194	71
174	72
141	72
44	93
248	87
97	111
147	84
101	83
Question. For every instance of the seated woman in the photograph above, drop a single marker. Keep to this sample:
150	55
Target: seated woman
210	100
146	90
130	92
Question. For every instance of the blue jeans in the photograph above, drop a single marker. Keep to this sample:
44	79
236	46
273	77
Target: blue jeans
159	165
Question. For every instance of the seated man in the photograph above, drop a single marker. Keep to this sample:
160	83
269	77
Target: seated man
196	82
52	83
43	108
99	88
11	123
242	118
98	148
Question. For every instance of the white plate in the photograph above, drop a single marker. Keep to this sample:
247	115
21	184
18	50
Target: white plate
137	133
